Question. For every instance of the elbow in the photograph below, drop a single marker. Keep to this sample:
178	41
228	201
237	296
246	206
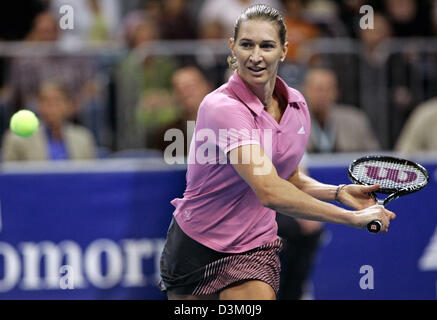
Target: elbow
269	190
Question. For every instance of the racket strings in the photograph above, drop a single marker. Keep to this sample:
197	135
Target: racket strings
390	175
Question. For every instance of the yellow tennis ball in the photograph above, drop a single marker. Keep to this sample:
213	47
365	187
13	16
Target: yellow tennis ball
24	123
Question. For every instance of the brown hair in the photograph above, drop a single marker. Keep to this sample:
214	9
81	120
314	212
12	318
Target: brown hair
259	12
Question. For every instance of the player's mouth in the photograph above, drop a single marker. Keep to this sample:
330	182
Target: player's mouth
257	71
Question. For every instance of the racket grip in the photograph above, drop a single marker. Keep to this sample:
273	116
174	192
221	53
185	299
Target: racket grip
375	226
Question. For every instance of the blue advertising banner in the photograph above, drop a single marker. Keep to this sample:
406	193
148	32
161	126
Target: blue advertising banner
84	235
92	233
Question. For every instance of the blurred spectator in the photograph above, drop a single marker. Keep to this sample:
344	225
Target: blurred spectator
371	38
95	21
214	64
190	86
44	28
78	74
408	18
326	15
223	13
420	131
349	13
391	74
334	127
299	29
372	78
12	28
143	84
56	138
175	20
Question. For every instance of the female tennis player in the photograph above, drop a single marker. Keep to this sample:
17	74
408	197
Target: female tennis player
222	242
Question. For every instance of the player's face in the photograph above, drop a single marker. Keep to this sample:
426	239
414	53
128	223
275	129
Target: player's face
258	50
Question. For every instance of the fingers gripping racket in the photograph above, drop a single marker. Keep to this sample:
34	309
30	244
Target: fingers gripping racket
397	177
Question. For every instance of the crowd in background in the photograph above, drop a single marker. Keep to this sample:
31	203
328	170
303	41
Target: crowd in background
118	102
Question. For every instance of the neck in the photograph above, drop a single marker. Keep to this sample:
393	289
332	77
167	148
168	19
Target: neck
264	91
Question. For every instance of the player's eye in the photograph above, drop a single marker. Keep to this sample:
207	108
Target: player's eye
267	46
245	44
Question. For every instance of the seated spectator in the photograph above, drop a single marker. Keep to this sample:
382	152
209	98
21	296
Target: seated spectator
420	131
408	17
299	29
372	75
95	21
190	86
175	20
143	84
77	73
13	29
350	15
56	138
334	127
44	28
225	12
326	14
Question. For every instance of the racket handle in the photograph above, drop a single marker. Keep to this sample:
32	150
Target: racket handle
375	226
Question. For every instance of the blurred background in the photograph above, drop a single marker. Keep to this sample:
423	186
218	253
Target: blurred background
84	203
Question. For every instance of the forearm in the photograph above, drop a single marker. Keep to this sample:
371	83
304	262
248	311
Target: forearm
318	190
288	199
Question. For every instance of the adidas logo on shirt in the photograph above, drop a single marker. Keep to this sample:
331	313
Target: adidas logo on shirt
301	130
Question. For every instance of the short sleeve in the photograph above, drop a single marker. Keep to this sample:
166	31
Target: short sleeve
231	123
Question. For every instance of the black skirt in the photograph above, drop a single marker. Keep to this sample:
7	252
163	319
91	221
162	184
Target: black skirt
190	268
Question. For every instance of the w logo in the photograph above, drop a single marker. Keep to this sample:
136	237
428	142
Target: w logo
395	175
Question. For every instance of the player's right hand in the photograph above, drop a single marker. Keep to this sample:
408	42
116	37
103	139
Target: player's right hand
376	212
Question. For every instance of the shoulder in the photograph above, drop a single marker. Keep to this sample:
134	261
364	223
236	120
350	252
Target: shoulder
426	111
348	112
348	109
12	139
221	104
76	131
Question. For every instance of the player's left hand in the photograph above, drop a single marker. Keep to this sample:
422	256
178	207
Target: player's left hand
358	196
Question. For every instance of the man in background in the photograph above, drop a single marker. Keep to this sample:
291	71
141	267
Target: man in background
189	87
419	133
56	138
335	127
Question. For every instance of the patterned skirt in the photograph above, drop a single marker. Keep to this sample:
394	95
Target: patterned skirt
190	268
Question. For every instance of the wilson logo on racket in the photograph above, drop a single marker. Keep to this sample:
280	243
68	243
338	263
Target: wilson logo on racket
395	175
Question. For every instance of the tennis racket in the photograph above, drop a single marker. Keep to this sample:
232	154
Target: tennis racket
397	177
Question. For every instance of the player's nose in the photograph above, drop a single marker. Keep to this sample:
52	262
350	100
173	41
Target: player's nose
255	56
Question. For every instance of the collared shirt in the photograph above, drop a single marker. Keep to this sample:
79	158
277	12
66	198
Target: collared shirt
219	209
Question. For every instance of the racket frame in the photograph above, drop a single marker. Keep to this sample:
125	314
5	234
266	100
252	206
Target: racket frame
375	226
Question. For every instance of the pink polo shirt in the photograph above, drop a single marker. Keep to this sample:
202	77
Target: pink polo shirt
219	209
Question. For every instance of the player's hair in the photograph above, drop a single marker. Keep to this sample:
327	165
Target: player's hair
259	12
